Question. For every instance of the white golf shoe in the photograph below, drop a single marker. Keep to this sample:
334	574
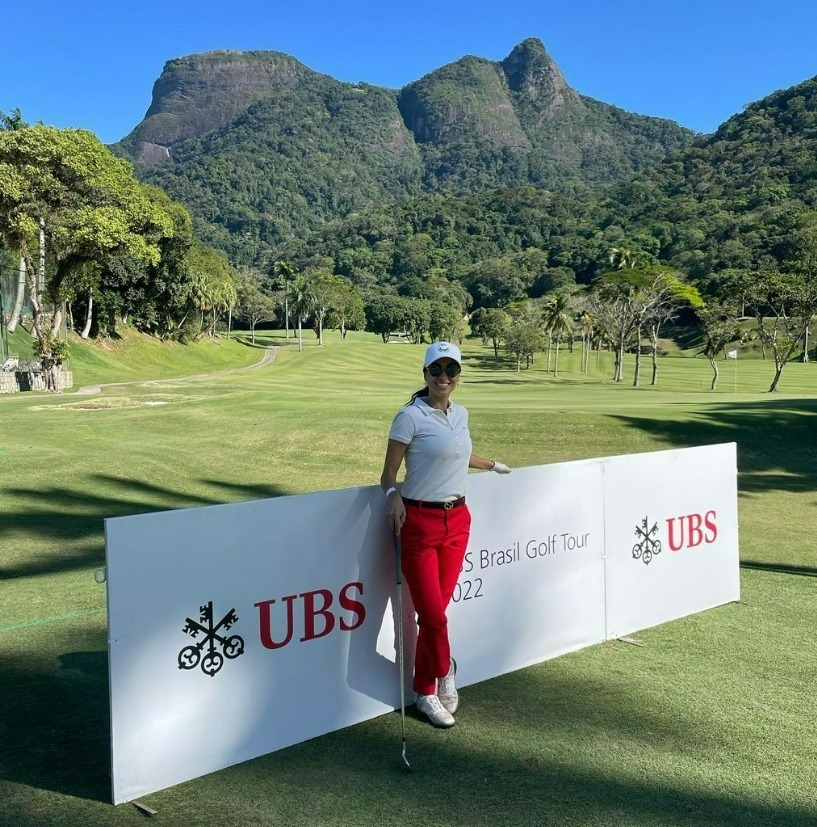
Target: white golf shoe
447	689
431	707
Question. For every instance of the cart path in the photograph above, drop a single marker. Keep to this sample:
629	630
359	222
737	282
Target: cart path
269	356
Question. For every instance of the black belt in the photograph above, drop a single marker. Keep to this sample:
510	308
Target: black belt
447	505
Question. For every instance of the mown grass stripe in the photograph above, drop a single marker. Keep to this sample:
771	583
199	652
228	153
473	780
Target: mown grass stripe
56	619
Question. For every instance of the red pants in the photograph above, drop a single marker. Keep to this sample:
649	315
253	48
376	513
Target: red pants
433	543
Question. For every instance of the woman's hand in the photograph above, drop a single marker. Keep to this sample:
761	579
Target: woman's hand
488	464
395	508
395	512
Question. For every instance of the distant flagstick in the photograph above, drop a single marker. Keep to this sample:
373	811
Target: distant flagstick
733	354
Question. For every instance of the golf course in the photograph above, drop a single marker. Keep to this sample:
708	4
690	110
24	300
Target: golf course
707	720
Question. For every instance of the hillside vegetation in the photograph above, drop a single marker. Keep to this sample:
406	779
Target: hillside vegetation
732	200
722	228
261	148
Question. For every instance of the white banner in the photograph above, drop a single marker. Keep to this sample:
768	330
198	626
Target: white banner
671	535
240	629
532	585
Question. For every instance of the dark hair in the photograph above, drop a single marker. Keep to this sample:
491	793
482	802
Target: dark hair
423	392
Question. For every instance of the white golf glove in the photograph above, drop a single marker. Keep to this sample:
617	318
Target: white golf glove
500	467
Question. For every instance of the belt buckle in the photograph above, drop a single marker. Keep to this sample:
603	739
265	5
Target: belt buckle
448	505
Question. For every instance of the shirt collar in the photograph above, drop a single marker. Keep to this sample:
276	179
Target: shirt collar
428	410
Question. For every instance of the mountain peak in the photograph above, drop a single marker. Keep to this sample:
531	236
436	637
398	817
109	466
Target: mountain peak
200	92
531	47
531	71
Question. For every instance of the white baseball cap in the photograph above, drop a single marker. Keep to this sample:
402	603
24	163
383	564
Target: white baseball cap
439	350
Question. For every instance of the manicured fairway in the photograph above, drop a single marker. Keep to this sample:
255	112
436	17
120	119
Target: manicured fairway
710	722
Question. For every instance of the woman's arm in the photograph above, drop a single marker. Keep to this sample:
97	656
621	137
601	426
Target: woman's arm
483	464
395	510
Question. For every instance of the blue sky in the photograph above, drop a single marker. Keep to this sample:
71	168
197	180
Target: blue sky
92	64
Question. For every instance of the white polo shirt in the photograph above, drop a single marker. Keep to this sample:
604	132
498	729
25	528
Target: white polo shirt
439	448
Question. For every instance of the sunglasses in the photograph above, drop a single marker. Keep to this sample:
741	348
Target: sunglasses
451	370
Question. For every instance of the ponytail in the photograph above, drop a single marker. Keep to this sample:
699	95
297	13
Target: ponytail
420	394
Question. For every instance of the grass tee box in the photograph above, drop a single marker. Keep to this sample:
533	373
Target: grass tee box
240	629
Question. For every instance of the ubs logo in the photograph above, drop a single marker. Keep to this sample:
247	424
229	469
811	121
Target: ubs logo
321	612
687	531
692	530
211	660
648	544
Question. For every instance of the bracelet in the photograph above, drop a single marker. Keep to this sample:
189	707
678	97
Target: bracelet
390	491
493	465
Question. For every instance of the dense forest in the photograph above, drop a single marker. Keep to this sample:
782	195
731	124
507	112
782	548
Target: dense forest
732	200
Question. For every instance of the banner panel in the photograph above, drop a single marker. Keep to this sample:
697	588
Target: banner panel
671	528
240	629
532	585
236	630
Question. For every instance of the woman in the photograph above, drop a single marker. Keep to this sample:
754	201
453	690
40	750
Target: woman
429	512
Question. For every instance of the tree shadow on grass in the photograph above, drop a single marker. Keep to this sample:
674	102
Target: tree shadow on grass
776	439
500	764
56	735
246	340
497	787
780	568
486	361
528	749
71	520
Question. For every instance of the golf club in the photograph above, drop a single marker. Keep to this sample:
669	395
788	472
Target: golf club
399	571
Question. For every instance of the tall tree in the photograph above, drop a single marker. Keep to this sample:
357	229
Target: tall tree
523	336
86	199
587	324
347	311
719	326
302	303
385	314
490	323
783	305
254	304
800	255
620	309
665	294
558	322
326	289
10	123
285	272
214	283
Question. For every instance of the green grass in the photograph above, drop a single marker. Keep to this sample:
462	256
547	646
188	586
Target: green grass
137	356
133	355
711	722
20	344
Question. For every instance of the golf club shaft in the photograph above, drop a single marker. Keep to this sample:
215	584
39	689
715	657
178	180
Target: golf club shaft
399	579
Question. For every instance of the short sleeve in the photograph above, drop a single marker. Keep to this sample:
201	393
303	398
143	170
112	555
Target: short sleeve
402	427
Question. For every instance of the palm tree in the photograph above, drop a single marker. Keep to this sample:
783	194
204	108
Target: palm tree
587	323
623	258
558	321
303	303
13	121
285	272
547	308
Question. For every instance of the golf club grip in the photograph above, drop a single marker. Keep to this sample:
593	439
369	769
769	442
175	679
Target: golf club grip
398	553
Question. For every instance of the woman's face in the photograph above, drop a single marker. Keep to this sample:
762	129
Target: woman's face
440	387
